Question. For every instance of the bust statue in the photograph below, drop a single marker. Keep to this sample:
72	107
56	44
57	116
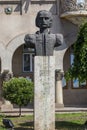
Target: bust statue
43	41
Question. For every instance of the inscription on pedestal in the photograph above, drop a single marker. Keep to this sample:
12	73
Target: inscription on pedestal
44	73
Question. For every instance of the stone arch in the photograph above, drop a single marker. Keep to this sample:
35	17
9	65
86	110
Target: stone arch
17	62
2	48
15	43
19	40
66	58
11	48
2	56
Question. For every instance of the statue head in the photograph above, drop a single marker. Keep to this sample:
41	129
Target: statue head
44	19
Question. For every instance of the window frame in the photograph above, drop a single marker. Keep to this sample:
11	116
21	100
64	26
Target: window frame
71	62
79	87
31	62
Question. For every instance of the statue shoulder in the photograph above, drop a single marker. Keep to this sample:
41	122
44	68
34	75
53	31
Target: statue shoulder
29	38
38	32
59	37
51	35
59	40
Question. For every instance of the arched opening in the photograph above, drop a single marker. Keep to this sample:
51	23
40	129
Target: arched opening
66	60
23	62
75	94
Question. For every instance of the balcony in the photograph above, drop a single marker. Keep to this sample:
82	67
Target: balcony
73	10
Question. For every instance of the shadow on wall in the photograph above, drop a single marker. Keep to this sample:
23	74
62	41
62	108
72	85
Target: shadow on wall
53	9
25	3
57	26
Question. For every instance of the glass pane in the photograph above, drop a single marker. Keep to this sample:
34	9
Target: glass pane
83	84
26	62
63	82
80	1
75	83
71	59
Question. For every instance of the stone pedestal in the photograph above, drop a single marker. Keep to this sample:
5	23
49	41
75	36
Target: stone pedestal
44	95
59	89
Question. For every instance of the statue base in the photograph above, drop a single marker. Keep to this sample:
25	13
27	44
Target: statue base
44	95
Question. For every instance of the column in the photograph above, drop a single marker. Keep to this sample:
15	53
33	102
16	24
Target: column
44	93
59	89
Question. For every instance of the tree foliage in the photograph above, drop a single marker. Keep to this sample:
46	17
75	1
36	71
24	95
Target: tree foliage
79	66
18	91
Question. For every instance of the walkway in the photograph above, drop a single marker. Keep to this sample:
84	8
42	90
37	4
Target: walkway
26	111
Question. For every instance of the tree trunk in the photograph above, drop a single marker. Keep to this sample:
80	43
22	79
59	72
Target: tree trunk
19	111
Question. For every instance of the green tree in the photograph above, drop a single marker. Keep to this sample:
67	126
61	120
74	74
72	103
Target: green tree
79	66
18	91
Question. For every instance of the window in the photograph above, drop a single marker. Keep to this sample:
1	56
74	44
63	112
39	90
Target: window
71	58
75	82
64	84
28	59
28	62
68	62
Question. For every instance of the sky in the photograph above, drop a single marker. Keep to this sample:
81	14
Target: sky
80	1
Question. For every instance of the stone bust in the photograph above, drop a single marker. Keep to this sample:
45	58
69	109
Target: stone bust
43	41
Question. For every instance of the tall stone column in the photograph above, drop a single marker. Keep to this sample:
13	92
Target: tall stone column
44	93
59	89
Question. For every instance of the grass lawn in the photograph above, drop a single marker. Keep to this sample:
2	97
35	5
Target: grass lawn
68	121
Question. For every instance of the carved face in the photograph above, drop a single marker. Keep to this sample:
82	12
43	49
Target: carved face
44	19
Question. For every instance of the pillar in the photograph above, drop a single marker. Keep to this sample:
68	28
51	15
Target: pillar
59	89
44	93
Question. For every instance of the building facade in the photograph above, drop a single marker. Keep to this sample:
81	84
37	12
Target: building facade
17	18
